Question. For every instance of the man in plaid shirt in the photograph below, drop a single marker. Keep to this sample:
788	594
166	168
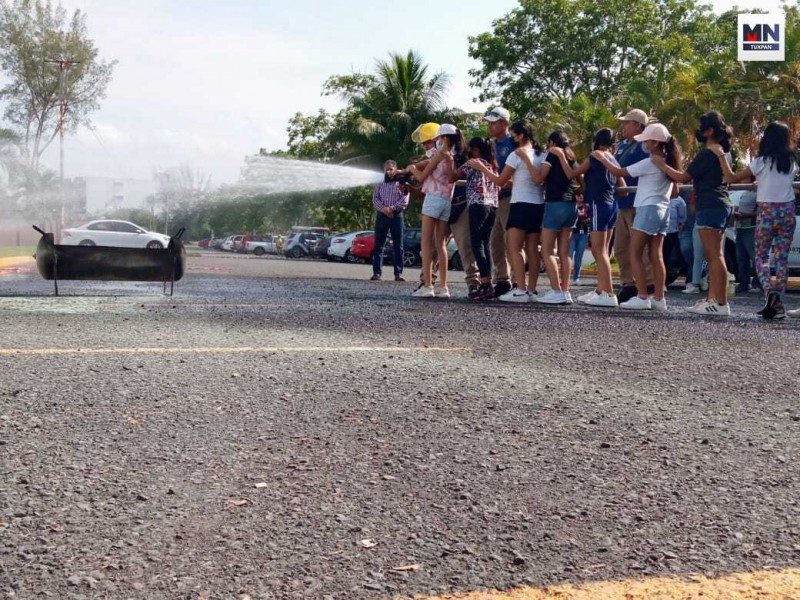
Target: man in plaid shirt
390	199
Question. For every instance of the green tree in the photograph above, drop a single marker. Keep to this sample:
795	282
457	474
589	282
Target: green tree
34	34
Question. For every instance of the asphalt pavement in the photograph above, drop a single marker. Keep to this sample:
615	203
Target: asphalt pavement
289	429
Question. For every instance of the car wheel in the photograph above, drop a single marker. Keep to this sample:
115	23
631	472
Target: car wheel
259	251
154	245
86	243
409	258
296	252
348	257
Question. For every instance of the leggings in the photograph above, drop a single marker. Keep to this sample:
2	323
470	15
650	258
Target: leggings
775	222
481	221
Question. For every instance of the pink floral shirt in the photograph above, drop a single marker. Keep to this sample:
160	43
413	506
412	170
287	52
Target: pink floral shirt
438	182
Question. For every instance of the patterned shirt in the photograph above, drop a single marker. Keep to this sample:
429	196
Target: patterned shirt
438	182
480	190
389	195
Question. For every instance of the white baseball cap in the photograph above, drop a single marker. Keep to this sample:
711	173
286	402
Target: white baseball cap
447	129
496	114
637	115
655	132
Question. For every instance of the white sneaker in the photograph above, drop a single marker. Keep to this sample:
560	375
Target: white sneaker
794	313
517	295
553	297
577	282
691	289
441	292
568	297
658	305
585	298
423	292
637	303
710	309
704	284
603	299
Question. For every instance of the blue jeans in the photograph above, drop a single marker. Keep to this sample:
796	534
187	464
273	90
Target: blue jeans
383	226
577	246
745	255
699	258
687	247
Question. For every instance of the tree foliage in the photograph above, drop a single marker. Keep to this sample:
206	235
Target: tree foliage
34	34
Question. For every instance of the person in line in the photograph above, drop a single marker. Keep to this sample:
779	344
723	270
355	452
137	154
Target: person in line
677	221
425	135
459	226
714	208
560	213
685	241
390	200
579	240
629	152
599	196
525	212
745	225
774	168
650	224
436	184
482	195
498	120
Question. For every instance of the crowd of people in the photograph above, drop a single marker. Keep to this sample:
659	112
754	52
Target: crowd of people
523	205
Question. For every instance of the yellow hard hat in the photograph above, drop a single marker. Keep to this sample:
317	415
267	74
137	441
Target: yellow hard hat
425	132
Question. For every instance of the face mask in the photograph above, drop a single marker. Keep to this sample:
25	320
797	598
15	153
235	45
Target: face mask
439	145
430	152
698	135
646	148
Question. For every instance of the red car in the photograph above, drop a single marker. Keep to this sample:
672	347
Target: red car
363	247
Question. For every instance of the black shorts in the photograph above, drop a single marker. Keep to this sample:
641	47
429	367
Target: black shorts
525	216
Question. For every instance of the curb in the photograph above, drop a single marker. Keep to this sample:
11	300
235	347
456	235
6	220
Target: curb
11	261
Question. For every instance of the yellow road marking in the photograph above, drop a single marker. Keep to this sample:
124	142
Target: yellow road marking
781	584
238	349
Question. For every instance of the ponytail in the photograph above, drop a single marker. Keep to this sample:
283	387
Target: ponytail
672	152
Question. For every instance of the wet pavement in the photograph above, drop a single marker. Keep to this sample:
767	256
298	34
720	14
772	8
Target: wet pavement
289	429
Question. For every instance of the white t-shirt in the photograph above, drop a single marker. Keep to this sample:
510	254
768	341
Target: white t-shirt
654	186
525	189
773	186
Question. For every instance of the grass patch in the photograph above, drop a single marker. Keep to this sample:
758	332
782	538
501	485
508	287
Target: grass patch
6	251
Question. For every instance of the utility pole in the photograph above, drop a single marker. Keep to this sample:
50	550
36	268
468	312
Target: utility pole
63	66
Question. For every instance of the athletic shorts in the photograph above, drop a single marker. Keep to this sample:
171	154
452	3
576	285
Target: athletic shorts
560	215
436	208
713	218
652	219
526	216
603	215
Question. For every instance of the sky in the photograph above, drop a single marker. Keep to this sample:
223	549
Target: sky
204	83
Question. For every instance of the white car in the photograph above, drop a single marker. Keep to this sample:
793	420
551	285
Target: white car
341	245
122	234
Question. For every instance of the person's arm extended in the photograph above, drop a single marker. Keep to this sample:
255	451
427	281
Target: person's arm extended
674	174
425	173
727	173
498	180
610	167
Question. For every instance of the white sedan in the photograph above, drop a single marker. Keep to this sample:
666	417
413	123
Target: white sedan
122	234
341	245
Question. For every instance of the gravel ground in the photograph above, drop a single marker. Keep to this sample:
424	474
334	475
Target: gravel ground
536	446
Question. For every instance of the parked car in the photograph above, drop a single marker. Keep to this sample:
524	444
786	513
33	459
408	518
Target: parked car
364	247
341	245
216	243
123	234
321	248
204	243
261	245
412	250
298	245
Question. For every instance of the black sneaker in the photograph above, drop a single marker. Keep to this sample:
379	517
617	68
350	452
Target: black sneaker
375	278
742	288
626	293
501	287
780	312
485	292
472	294
399	278
769	311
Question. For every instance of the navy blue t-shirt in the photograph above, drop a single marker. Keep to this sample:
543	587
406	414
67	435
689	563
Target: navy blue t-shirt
627	154
599	183
502	150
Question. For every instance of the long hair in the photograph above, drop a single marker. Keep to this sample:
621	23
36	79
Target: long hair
524	128
604	138
457	143
672	152
722	131
560	139
776	148
486	149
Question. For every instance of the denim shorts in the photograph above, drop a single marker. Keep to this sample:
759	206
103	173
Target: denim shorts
713	218
436	208
559	215
652	219
604	215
